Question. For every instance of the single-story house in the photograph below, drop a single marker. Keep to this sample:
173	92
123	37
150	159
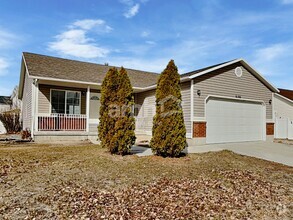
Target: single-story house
227	102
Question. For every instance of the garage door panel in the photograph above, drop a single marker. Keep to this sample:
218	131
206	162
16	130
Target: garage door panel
233	121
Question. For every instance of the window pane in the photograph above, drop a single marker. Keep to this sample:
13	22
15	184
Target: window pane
58	101
73	103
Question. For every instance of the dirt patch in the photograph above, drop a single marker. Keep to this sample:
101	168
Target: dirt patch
85	181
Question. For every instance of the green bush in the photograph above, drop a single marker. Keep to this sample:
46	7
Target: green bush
169	133
116	127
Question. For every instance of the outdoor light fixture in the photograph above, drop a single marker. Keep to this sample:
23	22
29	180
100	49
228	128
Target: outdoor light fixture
83	93
270	101
198	92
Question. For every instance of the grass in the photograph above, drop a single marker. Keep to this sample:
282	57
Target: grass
31	172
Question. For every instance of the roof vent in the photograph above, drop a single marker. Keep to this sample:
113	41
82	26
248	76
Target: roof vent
238	71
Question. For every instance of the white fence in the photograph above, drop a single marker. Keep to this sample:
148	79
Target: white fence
284	128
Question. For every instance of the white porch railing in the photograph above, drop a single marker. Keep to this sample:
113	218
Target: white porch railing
62	122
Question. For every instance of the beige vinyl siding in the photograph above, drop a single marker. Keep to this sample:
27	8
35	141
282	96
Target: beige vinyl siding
27	103
44	98
145	104
186	105
224	82
146	108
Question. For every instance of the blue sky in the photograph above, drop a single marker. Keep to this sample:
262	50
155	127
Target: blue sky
146	34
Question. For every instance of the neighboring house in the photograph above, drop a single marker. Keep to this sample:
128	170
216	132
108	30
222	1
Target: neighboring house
283	104
287	93
15	102
227	102
5	105
283	112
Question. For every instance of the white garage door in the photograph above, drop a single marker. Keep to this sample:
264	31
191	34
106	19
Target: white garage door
234	121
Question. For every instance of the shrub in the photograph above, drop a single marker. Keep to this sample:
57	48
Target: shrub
106	126
26	134
169	133
124	136
116	127
11	121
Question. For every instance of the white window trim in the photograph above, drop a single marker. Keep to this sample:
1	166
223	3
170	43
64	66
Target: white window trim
65	101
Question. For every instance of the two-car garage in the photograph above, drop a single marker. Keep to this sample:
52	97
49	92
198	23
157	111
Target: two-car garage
234	120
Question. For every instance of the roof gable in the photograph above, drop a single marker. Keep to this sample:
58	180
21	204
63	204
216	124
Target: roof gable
242	62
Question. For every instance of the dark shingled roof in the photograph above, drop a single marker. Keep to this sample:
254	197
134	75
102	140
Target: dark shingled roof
202	69
287	93
59	68
5	100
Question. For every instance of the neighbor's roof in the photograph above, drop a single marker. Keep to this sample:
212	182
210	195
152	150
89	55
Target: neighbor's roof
41	66
286	93
5	100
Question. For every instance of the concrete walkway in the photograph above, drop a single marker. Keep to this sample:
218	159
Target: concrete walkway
280	153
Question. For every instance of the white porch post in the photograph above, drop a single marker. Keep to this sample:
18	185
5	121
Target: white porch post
36	105
87	108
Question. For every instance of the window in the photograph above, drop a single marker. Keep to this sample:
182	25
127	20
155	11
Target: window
65	102
73	103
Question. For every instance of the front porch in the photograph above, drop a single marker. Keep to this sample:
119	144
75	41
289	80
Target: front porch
69	111
64	109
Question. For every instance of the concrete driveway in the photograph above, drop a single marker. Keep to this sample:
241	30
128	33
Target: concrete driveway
280	153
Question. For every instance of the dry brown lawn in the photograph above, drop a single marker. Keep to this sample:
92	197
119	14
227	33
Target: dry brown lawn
86	182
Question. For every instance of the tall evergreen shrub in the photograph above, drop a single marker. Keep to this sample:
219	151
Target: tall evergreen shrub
169	133
116	127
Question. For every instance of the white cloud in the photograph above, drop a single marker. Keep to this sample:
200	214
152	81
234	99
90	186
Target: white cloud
287	2
151	42
6	39
271	52
74	42
3	66
273	60
132	11
88	24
